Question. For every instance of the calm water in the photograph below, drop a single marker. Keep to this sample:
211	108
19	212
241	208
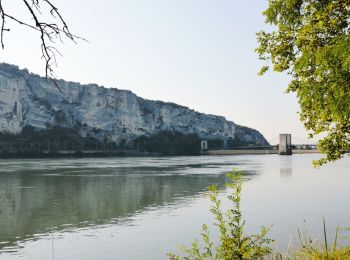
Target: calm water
142	208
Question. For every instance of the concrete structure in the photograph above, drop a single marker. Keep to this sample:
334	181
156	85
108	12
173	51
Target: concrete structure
204	145
285	145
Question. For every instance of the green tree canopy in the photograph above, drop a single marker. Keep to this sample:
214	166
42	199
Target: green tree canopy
310	41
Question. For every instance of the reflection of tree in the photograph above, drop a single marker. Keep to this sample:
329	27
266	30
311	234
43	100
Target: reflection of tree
34	203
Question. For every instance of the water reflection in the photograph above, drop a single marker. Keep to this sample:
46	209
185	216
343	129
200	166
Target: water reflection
143	208
286	172
286	167
39	198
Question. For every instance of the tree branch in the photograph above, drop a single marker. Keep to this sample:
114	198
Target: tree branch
48	31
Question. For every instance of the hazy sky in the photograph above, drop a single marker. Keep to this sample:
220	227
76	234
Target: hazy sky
197	53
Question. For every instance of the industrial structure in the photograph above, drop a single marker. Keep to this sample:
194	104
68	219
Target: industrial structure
204	145
285	144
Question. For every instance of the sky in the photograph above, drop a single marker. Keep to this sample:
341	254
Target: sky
196	53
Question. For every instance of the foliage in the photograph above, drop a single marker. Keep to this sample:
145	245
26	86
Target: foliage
310	249
317	254
237	142
215	143
54	134
33	142
245	136
311	42
169	143
234	243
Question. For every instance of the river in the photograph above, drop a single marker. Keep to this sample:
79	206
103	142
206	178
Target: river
143	208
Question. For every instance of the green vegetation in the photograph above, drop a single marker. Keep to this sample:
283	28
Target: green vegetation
309	249
56	139
233	143
245	137
169	143
216	144
54	134
310	41
235	244
46	143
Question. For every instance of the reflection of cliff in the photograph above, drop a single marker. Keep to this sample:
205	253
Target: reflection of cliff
33	203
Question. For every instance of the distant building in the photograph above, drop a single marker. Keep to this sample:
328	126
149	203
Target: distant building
204	145
285	146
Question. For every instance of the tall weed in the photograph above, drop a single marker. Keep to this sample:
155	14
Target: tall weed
234	243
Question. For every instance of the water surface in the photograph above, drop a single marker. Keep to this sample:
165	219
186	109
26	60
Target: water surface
142	208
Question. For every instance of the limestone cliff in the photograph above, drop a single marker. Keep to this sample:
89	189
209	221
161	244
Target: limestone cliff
28	100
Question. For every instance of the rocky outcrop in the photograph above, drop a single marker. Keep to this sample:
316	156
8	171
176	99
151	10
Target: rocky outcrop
28	100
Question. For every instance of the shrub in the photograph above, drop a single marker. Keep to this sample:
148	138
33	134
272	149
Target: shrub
234	243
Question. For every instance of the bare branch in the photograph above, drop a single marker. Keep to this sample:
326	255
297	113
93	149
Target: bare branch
2	13
48	31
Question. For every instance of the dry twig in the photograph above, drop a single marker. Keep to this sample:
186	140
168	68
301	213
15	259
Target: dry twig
49	32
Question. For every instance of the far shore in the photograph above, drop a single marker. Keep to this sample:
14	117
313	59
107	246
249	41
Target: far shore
132	153
261	151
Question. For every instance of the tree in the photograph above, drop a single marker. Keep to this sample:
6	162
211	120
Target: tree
49	28
310	41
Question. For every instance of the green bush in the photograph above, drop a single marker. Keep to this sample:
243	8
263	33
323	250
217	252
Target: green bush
234	243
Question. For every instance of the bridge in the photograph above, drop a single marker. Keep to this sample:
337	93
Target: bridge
286	145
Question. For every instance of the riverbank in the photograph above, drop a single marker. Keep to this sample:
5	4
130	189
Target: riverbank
75	154
255	152
134	153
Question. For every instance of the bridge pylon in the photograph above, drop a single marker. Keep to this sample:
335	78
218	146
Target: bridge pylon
285	145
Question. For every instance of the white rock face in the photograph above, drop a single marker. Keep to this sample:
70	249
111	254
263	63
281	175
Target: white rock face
29	100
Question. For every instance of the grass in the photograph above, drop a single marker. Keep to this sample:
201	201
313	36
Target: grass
309	249
235	244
